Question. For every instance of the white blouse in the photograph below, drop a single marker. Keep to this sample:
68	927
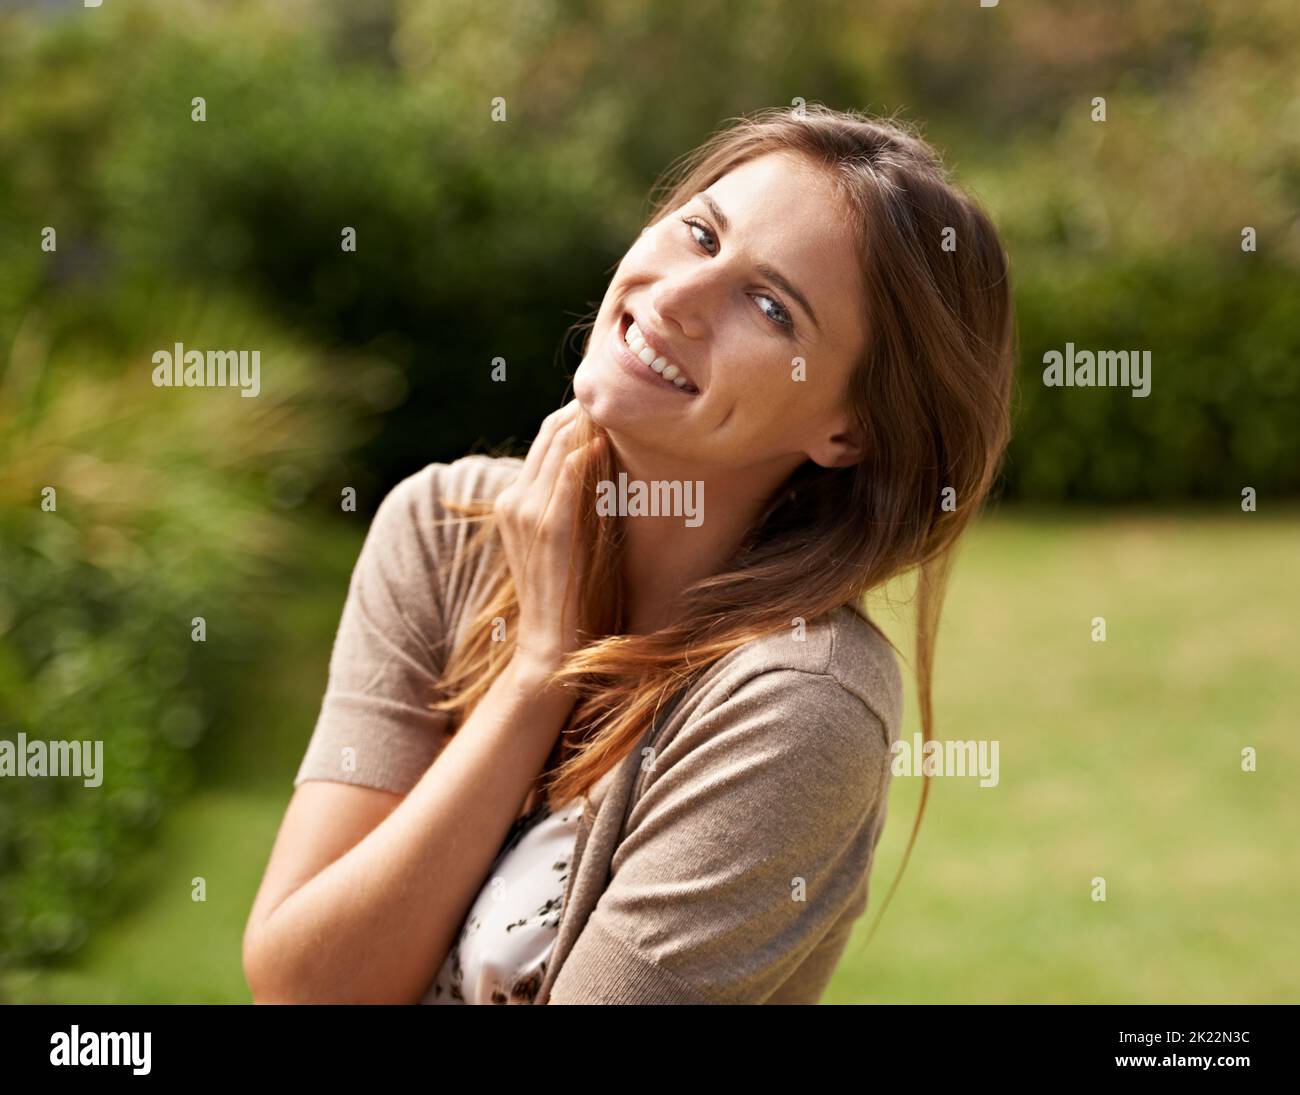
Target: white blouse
501	953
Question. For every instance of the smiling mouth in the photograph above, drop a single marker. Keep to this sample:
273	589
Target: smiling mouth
658	368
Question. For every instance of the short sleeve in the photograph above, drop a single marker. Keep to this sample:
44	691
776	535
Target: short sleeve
375	728
751	839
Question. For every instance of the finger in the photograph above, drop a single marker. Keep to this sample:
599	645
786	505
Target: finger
542	443
563	507
562	512
563	440
539	495
563	444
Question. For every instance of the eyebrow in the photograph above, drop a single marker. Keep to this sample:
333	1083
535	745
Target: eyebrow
775	276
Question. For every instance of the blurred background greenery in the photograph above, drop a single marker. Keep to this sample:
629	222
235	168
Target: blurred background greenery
479	240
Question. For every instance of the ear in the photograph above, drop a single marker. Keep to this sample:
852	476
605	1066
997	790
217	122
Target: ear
843	447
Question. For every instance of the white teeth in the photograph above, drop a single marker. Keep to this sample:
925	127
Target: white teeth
660	364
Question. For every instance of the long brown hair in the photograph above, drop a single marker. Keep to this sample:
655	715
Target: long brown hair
931	393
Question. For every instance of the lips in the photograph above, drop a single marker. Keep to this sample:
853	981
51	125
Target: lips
652	352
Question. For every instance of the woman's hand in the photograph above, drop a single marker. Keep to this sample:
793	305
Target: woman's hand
537	518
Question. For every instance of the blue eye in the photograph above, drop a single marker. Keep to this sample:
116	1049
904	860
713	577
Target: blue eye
787	323
691	222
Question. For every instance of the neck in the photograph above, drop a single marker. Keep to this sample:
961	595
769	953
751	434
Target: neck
663	555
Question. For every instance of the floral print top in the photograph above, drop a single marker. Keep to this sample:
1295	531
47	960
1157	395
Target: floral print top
501	952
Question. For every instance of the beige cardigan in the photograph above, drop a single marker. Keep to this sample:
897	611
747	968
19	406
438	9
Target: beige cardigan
726	858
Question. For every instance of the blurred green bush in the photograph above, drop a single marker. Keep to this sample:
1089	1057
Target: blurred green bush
479	240
168	505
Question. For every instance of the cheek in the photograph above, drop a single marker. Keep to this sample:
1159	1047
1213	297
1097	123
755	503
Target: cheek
763	403
780	380
778	395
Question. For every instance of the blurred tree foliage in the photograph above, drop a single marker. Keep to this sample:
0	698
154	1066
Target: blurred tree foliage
126	513
479	240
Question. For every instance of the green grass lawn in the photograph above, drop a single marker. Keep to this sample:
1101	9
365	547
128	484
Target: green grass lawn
1118	759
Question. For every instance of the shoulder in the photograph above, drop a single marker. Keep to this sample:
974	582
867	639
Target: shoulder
840	664
473	477
421	560
807	715
413	530
748	829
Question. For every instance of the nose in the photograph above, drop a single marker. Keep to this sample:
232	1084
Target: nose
689	298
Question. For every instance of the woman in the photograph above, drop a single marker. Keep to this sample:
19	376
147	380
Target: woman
661	745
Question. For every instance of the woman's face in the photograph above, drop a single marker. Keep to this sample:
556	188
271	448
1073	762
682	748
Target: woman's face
752	289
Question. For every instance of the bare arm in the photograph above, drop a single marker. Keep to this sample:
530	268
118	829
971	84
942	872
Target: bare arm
365	890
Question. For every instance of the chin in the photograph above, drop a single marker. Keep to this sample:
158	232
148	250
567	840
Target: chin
622	414
604	393
587	390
